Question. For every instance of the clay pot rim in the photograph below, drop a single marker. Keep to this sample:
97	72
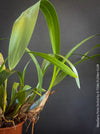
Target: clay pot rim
17	125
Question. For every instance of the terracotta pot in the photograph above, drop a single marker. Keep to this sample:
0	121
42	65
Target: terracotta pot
12	130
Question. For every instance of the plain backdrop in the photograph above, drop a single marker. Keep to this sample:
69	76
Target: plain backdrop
69	110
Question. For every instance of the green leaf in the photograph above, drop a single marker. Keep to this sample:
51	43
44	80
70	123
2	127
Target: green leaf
56	62
73	68
24	71
39	71
14	90
79	44
22	94
20	77
98	45
62	75
88	57
21	33
13	94
33	95
53	24
31	98
4	75
53	78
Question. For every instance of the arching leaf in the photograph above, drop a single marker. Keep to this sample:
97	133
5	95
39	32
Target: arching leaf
56	62
79	44
53	24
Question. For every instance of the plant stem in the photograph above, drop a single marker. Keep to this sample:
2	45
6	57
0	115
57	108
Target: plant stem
53	78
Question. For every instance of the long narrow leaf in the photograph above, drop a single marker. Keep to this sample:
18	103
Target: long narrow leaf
53	24
24	71
39	71
73	68
56	62
14	89
79	44
20	77
88	57
13	94
20	95
98	45
21	33
62	75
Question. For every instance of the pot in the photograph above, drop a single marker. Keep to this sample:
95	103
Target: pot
12	130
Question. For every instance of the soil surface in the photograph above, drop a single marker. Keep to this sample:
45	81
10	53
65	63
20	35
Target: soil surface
4	124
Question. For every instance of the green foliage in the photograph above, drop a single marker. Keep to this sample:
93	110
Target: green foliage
79	44
39	71
73	68
24	71
22	76
85	55
62	75
53	24
56	62
4	75
89	57
14	90
23	97
21	33
22	94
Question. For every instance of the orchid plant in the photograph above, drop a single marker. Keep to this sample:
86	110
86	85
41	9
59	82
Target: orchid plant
23	103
